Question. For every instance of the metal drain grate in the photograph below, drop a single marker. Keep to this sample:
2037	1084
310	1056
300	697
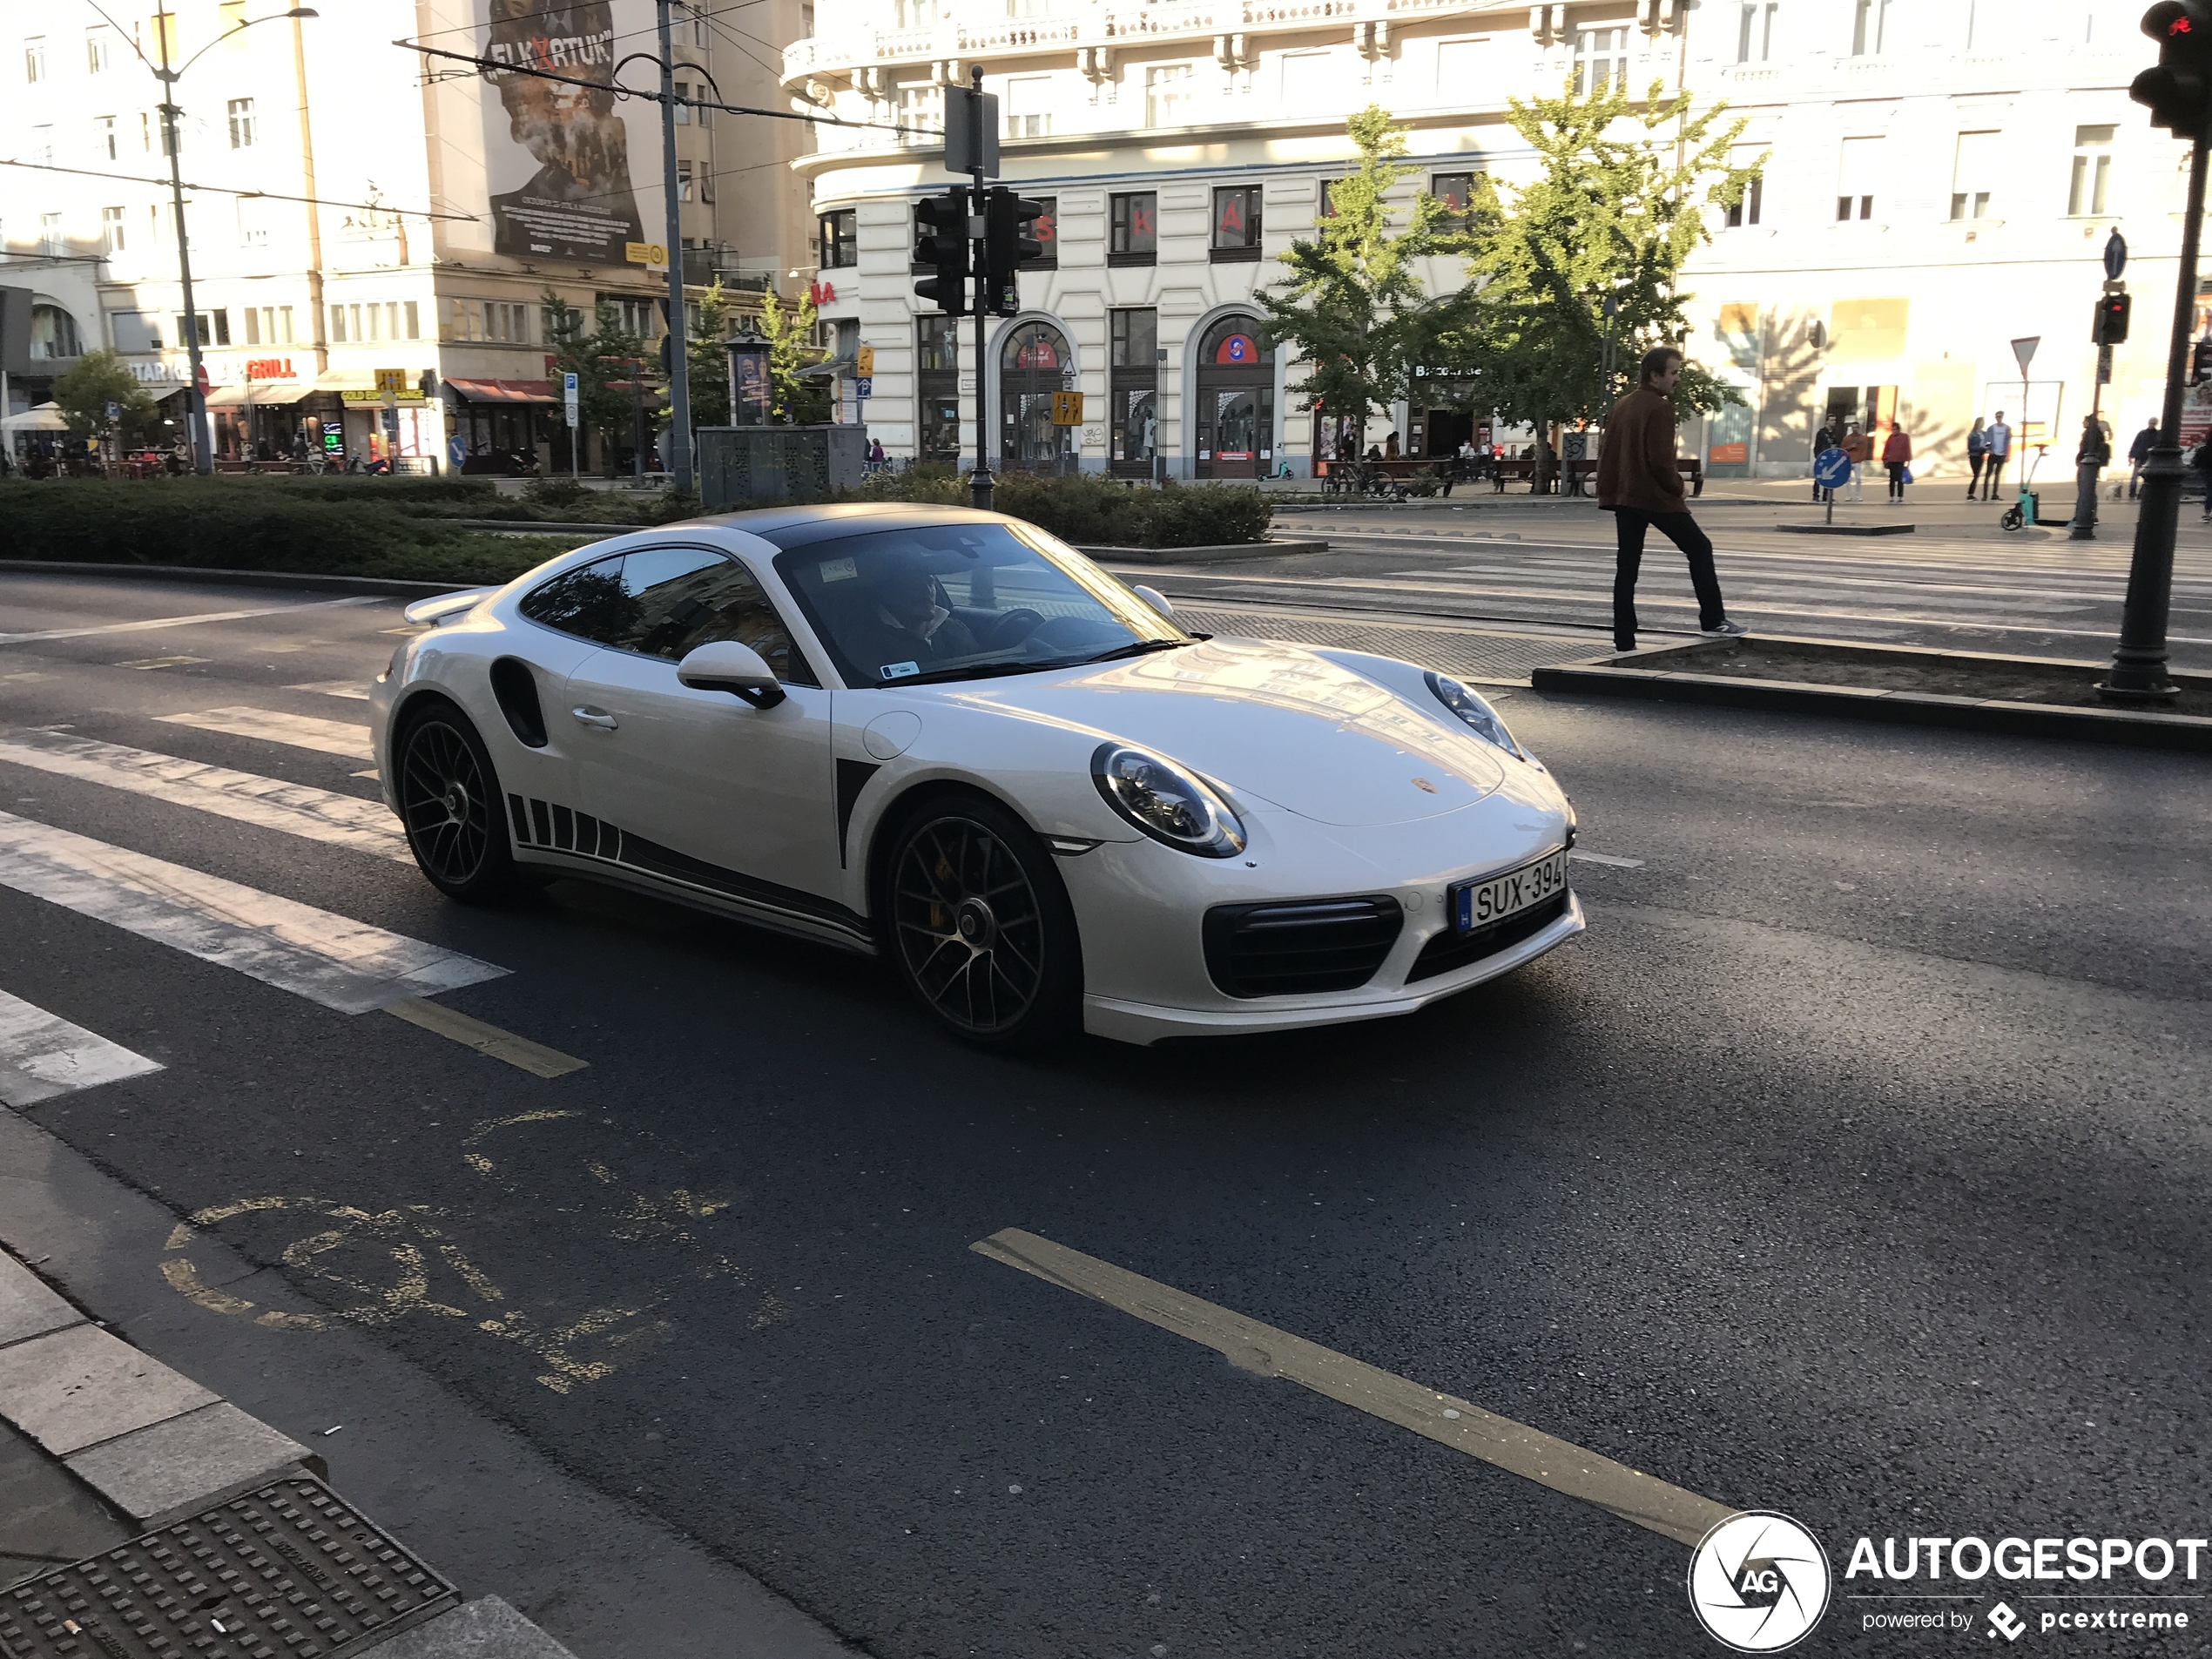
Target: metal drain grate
1448	651
288	1572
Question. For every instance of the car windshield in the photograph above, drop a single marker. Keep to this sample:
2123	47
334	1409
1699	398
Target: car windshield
964	601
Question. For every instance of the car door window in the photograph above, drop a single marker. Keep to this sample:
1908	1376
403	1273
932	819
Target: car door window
589	602
684	597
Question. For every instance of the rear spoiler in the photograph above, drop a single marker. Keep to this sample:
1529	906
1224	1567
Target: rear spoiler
444	606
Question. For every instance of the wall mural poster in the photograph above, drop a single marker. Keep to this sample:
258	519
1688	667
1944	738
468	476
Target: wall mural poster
557	157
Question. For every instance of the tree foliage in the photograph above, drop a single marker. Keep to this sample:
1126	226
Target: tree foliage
96	380
1353	306
602	359
789	330
708	361
1606	215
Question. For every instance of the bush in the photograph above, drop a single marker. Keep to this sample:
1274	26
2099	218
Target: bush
1094	511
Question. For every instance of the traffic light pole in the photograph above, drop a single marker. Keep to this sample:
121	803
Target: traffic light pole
679	348
979	481
2138	672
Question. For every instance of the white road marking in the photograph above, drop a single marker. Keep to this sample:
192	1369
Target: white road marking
297	809
42	1054
162	662
371	773
1642	1499
332	959
337	688
300	730
185	622
1607	858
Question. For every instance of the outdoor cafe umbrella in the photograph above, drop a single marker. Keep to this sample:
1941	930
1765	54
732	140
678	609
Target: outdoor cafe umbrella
47	417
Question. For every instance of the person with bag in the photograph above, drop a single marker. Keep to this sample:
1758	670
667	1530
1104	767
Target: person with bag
1639	481
1897	457
1860	448
1977	453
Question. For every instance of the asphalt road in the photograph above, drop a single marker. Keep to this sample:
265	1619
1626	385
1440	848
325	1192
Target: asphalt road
1854	1164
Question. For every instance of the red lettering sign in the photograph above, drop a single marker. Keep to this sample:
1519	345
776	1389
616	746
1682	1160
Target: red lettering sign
821	292
269	369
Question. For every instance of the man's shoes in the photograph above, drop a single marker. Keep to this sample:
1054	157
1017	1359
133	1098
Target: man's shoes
1619	646
1725	630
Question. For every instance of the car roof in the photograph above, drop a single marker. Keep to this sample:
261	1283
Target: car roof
790	526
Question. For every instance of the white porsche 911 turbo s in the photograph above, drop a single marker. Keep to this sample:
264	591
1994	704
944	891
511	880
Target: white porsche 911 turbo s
945	738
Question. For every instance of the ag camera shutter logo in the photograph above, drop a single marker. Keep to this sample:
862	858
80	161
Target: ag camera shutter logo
1759	1582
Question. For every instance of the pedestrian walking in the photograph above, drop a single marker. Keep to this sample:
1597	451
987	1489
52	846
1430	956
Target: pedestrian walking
2200	459
1823	441
2000	447
1639	481
1860	448
2138	453
1897	457
2090	459
1977	455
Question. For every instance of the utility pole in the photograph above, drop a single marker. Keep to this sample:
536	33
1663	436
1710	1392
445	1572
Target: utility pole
679	376
979	481
196	426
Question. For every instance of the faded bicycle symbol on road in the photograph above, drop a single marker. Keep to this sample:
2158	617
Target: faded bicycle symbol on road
380	1267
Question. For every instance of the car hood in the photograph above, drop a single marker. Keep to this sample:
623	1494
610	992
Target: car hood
1275	722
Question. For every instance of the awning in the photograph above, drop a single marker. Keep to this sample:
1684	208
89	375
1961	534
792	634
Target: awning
260	393
504	391
44	417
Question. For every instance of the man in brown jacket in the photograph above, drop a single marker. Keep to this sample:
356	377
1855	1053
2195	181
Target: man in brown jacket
1639	483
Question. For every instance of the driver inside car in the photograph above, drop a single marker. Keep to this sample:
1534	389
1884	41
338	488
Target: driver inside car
908	625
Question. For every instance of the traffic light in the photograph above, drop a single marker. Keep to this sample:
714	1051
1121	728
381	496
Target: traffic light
941	243
2179	91
1006	247
2110	326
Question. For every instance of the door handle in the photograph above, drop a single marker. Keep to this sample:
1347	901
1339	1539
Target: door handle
589	716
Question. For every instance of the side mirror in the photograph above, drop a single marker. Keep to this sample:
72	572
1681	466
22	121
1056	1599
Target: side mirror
1153	597
724	665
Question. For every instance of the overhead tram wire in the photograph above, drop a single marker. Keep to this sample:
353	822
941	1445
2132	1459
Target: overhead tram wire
232	190
495	66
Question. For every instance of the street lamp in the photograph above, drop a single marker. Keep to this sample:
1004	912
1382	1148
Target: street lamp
196	394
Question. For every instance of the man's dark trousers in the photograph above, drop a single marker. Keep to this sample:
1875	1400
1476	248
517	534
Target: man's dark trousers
1630	524
1994	471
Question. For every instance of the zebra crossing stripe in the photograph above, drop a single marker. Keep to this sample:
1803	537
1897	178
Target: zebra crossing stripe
340	963
300	730
42	1054
357	689
297	809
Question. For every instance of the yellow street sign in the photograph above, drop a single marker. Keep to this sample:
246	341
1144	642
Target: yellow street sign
864	361
391	380
645	253
1066	408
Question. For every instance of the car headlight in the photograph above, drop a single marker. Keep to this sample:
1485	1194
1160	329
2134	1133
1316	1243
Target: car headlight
1477	714
1166	802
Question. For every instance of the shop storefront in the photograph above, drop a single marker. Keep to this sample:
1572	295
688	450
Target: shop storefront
254	418
1033	363
1236	401
492	425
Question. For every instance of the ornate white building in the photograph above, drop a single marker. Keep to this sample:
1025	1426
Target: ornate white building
1941	178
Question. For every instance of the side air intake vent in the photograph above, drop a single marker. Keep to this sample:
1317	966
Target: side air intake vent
518	693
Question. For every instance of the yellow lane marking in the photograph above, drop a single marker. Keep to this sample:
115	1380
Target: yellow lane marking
533	1057
1642	1499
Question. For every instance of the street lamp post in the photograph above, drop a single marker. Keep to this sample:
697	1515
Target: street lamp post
196	426
679	372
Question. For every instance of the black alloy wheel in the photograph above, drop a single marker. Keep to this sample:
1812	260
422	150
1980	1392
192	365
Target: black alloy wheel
450	803
981	929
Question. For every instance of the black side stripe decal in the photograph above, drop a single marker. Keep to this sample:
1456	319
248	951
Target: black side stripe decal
852	777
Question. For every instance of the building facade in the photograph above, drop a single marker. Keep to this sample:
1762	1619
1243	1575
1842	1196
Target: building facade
356	206
1941	177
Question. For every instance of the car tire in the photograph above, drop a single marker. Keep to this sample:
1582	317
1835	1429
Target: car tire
977	922
450	804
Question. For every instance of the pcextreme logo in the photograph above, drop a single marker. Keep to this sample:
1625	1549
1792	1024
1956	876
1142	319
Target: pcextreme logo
1759	1582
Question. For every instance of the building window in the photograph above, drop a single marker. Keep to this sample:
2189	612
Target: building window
1028	106
254	327
1601	60
1870	22
34	59
1132	397
1856	177
698	25
1235	223
921	115
241	112
682	181
51	242
1167	95
1456	192
1133	229
42	145
111	230
2092	165
1754	32
97	42
634	314
1972	170
214	327
683	110
1745	210
53	333
338	322
913	13
104	137
840	239
413	320
1044	231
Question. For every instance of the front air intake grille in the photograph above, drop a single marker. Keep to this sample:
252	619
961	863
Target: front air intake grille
1299	949
1450	951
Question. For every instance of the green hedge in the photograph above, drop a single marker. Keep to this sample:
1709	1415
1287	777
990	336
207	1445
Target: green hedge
1093	510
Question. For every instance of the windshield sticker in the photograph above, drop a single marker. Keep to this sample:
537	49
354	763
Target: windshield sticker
897	670
838	570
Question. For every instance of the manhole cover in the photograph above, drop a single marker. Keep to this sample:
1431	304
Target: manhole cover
288	1572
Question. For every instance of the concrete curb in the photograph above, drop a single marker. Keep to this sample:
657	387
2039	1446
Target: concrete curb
238	579
1640	674
1220	553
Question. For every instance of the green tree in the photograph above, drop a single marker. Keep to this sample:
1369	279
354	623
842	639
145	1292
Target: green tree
789	331
1607	216
96	380
603	357
709	360
1353	306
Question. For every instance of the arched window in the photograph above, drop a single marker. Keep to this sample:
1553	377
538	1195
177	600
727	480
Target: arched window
1031	365
53	333
1236	410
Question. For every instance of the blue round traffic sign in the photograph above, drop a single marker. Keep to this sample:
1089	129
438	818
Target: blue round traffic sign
1831	468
